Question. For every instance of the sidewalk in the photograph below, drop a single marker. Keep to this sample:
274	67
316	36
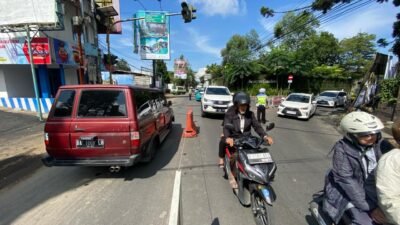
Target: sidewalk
21	135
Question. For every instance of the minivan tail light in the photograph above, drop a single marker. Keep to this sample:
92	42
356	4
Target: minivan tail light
46	138
135	139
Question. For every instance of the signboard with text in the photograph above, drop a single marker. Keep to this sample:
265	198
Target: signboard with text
15	51
154	35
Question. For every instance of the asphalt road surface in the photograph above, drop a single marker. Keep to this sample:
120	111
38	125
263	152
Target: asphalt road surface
143	194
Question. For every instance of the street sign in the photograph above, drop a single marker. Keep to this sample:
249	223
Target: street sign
290	77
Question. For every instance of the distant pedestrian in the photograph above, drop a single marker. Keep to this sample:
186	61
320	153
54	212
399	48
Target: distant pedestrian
261	105
190	94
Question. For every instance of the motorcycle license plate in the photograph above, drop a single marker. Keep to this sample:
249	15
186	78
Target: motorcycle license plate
255	158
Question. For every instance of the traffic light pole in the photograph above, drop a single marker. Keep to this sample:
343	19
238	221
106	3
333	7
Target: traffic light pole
108	42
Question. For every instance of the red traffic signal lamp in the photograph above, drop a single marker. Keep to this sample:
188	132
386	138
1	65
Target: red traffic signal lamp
188	12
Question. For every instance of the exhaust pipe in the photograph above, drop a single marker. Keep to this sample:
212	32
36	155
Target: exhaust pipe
114	169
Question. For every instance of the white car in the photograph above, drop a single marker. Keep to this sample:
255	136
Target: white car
215	100
331	98
299	105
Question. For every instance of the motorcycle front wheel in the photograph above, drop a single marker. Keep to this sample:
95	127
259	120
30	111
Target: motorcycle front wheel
262	211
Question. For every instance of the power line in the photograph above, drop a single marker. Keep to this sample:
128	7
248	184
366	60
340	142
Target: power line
339	11
140	4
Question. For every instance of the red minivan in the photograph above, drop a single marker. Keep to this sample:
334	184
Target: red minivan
106	125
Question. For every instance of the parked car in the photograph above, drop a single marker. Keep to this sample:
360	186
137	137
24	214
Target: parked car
299	105
332	98
106	125
178	90
198	94
215	100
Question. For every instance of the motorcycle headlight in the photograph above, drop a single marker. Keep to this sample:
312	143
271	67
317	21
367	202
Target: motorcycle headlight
254	174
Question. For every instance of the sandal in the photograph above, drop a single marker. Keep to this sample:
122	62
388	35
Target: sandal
233	183
221	165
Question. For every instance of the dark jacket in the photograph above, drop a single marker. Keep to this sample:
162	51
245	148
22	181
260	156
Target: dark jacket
346	181
232	117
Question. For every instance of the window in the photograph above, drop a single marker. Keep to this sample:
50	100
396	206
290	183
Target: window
143	102
329	94
65	104
217	91
298	98
102	103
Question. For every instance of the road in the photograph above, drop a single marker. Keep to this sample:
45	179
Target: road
142	194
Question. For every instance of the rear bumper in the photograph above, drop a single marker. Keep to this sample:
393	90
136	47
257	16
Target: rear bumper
112	161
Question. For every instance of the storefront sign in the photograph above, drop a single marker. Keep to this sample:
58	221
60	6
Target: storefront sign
65	52
15	51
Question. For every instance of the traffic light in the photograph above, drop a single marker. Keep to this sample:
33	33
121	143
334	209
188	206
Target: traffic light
188	12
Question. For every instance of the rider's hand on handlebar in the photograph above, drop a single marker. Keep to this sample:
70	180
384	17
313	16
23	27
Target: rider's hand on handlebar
378	216
229	141
268	140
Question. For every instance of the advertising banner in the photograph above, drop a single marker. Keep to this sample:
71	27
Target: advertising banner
65	52
180	68
154	35
15	51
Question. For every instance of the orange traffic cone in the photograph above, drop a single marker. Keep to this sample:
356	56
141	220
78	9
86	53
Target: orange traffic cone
190	130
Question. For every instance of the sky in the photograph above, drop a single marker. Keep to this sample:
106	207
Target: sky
201	40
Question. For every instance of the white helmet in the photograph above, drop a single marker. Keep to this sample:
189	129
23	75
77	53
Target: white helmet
262	90
361	123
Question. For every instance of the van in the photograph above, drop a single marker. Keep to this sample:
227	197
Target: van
106	125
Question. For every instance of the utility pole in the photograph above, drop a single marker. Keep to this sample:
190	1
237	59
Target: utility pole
28	37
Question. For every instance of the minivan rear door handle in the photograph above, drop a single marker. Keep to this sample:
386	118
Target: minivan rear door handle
79	129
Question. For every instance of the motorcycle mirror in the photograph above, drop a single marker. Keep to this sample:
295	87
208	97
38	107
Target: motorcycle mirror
270	126
229	126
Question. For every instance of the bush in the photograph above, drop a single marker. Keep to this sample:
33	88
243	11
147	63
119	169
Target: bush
388	90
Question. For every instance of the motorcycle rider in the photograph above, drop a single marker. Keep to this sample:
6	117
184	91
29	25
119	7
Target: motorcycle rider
261	105
242	119
388	180
350	185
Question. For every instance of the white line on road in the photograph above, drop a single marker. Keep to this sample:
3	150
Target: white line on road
174	211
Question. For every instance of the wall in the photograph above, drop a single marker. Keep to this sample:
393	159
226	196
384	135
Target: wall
3	87
66	34
19	81
70	75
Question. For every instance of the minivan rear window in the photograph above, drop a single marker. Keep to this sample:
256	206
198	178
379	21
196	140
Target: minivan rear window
64	104
102	103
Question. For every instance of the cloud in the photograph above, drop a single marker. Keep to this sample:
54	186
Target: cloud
221	7
202	43
376	19
125	42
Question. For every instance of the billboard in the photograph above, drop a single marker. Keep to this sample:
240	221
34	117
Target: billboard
154	35
180	68
20	12
15	51
65	53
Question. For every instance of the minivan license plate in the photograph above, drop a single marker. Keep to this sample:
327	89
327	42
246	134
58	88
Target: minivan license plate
220	110
98	143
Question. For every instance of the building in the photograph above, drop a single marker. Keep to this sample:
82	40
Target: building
62	56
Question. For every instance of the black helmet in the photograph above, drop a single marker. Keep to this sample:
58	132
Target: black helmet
241	98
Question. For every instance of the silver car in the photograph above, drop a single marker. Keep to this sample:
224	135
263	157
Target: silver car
332	98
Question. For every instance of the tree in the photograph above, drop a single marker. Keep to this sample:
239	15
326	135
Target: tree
162	71
122	64
320	49
239	62
326	5
295	28
357	53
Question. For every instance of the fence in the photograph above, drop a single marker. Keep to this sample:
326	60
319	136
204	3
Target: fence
28	104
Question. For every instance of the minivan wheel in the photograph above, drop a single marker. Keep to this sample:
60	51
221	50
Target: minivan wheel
151	151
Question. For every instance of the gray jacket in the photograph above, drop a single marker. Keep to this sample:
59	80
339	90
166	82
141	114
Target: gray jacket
346	181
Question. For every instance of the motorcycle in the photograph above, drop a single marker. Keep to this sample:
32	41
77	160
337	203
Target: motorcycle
315	208
252	168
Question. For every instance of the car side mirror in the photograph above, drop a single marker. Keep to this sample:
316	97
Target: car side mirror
169	103
229	126
270	126
314	102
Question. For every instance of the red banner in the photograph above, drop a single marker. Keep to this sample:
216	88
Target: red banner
40	50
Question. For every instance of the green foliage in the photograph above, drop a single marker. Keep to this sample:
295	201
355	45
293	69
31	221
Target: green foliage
162	71
123	65
388	90
332	72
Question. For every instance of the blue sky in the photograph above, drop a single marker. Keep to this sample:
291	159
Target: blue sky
218	20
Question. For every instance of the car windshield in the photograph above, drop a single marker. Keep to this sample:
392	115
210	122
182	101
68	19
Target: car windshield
328	94
217	91
298	98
